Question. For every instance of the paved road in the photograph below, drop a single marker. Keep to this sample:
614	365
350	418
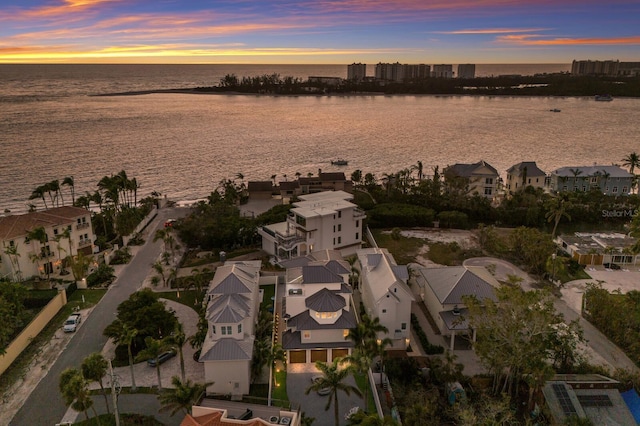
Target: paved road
45	405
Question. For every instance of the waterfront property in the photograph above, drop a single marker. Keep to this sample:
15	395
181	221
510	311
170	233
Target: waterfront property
476	179
67	232
524	174
232	309
317	312
214	412
443	289
332	181
322	221
600	248
611	180
385	293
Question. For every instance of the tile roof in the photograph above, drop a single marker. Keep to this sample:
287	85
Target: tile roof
228	349
325	300
14	226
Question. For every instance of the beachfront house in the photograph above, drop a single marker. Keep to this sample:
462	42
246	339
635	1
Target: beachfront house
321	221
317	312
598	248
385	293
475	179
524	174
68	232
443	289
232	309
610	180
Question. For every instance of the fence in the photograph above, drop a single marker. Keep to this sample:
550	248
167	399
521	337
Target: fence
152	214
36	325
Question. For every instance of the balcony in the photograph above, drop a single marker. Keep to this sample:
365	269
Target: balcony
82	226
84	243
358	213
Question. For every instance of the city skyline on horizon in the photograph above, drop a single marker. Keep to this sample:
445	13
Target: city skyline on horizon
318	31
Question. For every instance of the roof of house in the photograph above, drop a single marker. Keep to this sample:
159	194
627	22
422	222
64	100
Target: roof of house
468	170
233	278
319	274
14	226
332	176
304	321
325	300
530	166
217	419
292	340
228	349
289	185
450	284
260	186
332	259
586	171
228	308
380	272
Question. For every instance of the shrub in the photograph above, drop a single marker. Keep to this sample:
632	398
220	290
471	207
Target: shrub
453	219
428	348
103	275
401	215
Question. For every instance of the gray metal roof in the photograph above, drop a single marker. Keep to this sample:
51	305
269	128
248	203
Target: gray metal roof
226	315
585	171
468	170
401	272
325	300
304	321
319	274
450	284
228	349
374	259
230	284
292	340
336	267
456	322
531	166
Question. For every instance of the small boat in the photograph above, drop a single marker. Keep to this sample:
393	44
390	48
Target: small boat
555	110
339	162
603	98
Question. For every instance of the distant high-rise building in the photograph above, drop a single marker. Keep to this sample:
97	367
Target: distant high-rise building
390	72
467	71
589	67
416	72
442	71
356	72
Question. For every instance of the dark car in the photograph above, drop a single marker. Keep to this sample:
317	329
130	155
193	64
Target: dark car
322	391
611	266
164	356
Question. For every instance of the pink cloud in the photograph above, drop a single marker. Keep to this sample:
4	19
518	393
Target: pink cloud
534	40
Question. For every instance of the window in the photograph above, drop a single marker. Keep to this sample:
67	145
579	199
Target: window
615	190
357	223
537	180
339	227
624	189
529	182
395	290
239	328
334	228
339	240
489	181
584	189
306	335
334	241
404	326
11	243
564	188
55	231
226	330
213	329
345	333
357	237
487	191
384	311
339	214
594	179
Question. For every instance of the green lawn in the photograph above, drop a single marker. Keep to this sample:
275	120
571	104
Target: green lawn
188	298
403	249
279	392
362	382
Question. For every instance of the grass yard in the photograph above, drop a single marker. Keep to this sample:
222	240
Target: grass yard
403	249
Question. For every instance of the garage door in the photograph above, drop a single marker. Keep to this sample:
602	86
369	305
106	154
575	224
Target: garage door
319	355
339	353
297	357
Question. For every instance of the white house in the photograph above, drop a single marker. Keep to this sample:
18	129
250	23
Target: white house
317	312
68	231
231	312
385	293
443	290
479	178
321	221
611	180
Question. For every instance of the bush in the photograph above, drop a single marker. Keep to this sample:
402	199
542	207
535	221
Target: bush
103	275
400	215
453	219
121	256
428	348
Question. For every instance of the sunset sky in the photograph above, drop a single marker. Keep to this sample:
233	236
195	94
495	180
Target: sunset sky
318	31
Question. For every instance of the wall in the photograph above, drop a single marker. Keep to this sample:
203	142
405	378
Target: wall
152	214
16	347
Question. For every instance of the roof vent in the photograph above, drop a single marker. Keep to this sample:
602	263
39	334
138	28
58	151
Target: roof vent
295	291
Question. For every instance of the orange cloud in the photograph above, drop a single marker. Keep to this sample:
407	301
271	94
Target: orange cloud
492	31
531	40
61	9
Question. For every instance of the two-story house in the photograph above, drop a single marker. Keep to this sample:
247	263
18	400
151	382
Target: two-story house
317	312
443	290
321	221
524	174
476	179
385	293
232	310
610	180
68	231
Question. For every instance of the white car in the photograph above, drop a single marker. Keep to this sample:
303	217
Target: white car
71	323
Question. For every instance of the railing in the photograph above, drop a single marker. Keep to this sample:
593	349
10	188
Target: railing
358	213
84	243
82	226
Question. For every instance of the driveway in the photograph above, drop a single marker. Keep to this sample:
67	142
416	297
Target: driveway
89	337
313	405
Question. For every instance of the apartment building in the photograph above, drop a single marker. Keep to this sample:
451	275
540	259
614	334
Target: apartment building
356	72
611	180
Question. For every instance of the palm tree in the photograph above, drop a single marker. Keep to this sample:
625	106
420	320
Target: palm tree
125	336
94	368
182	396
359	362
54	186
632	161
68	181
333	378
178	339
14	254
75	391
155	347
38	193
419	168
576	173
157	266
40	235
556	210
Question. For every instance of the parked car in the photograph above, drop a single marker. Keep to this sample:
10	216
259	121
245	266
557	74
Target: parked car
322	391
611	265
164	356
71	324
169	223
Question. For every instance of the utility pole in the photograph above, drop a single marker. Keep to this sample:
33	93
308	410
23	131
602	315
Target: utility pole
114	395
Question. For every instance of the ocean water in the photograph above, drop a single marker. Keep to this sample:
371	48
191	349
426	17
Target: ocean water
184	145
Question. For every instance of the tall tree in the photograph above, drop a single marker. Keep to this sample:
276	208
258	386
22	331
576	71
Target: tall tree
182	396
556	210
125	336
69	182
178	339
94	367
632	161
14	255
75	391
333	378
154	348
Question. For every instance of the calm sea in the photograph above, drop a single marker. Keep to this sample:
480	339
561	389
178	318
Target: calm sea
183	145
